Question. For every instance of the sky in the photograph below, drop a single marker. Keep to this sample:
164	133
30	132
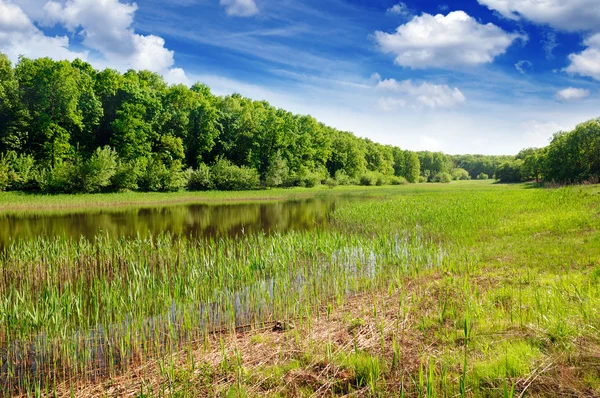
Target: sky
464	76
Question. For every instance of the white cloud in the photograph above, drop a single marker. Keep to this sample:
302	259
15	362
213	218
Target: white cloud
105	26
524	66
19	36
587	62
569	15
538	134
418	95
572	94
400	9
240	8
445	41
177	76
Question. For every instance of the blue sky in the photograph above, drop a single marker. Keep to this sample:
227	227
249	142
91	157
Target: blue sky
472	76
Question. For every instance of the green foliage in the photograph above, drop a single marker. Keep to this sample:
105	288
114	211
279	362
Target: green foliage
128	174
398	181
64	177
573	156
228	177
460	174
4	173
444	178
200	179
331	183
482	176
99	170
368	179
159	177
342	178
277	172
509	172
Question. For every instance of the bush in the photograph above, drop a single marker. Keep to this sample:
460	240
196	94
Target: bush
4	173
510	171
461	174
423	179
277	172
19	171
398	181
99	170
160	178
342	178
444	178
128	174
200	179
368	179
381	179
483	176
331	183
64	177
228	177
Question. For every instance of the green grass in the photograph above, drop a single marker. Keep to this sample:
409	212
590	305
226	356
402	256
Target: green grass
472	289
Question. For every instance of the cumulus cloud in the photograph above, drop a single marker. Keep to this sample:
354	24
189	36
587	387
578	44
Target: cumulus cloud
587	62
176	76
240	8
19	36
572	94
400	9
448	41
106	26
569	15
420	95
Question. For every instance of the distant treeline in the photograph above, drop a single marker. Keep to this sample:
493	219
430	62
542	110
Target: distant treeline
572	157
66	127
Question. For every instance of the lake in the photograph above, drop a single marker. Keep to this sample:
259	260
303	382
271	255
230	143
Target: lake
190	220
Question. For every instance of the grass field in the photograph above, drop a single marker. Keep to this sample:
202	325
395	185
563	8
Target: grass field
466	289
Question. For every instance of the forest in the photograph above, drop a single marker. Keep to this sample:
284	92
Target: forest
66	127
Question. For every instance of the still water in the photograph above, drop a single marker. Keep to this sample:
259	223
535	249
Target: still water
196	220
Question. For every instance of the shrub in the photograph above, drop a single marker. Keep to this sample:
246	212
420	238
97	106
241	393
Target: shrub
368	179
18	169
510	171
444	178
4	172
128	174
228	177
423	179
398	181
331	183
200	179
483	176
460	174
99	170
64	177
342	178
277	172
381	179
160	178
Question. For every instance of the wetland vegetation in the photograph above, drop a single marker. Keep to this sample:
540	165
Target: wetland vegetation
471	289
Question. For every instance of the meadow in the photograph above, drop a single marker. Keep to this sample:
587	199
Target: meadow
463	289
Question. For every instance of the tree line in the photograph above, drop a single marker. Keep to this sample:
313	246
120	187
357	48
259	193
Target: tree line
66	127
572	157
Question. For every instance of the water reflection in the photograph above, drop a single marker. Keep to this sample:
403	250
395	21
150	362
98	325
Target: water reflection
198	220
